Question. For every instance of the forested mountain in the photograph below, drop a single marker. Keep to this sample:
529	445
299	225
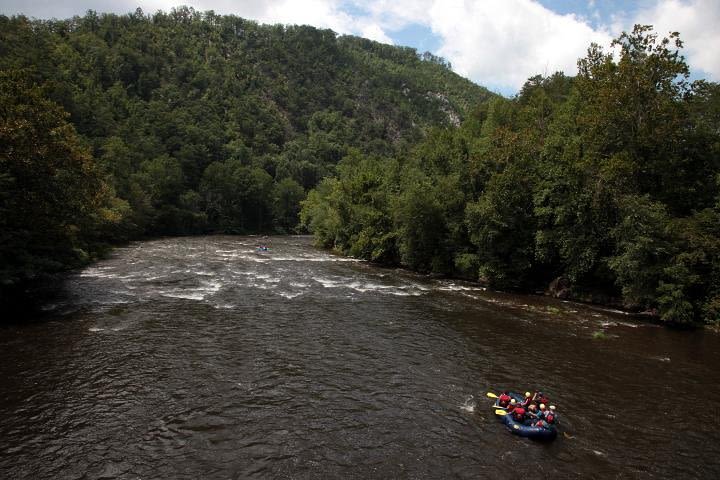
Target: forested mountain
114	126
607	184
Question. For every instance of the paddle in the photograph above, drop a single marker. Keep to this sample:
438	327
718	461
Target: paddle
491	395
501	412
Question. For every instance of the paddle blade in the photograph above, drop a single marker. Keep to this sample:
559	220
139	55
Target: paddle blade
491	395
502	413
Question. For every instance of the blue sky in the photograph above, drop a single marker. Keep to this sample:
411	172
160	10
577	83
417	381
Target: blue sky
495	43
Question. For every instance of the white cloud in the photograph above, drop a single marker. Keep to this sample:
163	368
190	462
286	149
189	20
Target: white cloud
374	32
697	21
319	13
396	14
502	43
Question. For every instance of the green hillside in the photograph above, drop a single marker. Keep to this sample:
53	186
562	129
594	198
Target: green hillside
194	122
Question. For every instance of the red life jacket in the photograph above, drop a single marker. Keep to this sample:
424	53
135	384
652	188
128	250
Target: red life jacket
512	407
550	417
503	400
527	401
519	414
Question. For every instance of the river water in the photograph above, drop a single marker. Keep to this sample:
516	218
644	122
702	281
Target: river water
200	357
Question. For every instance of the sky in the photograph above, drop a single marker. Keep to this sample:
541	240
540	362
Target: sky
496	43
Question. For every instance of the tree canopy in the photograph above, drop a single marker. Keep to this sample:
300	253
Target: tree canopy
607	183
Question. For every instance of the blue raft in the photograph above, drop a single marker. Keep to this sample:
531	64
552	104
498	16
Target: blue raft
535	433
525	429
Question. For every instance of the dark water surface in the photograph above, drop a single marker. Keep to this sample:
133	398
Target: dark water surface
201	358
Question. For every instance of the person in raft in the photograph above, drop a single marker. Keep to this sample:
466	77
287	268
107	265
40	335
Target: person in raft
539	398
504	399
527	400
518	413
551	415
538	416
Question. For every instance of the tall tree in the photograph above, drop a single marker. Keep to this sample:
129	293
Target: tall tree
54	202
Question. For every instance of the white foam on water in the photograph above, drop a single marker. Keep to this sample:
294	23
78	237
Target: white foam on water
210	287
364	287
612	310
263	286
299	285
328	283
95	329
312	258
127	278
631	325
115	301
98	272
204	273
224	306
254	258
368	287
289	295
187	295
229	256
193	293
451	287
240	273
469	405
400	293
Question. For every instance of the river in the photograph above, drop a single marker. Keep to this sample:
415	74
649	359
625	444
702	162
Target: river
201	357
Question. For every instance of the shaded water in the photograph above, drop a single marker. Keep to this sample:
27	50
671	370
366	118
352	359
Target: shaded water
203	358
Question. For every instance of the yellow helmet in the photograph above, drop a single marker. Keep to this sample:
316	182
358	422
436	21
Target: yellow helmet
513	401
542	406
528	394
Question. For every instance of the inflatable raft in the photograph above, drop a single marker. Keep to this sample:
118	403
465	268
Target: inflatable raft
525	429
529	431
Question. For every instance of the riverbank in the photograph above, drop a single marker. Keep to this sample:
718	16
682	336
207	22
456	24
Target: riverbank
559	289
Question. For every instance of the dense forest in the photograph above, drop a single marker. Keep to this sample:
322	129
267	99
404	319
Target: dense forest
604	186
117	127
